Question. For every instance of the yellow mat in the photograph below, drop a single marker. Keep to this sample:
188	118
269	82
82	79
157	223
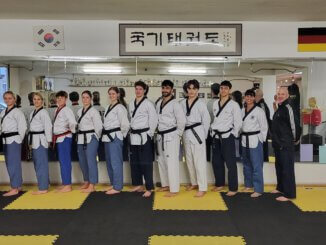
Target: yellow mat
311	199
51	200
28	240
185	200
196	240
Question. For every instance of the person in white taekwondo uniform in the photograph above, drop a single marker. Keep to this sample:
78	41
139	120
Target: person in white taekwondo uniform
194	137
13	129
253	134
142	128
171	124
224	129
39	137
89	130
115	129
64	124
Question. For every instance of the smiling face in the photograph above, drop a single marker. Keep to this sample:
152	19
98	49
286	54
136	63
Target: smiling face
37	101
9	99
224	91
282	95
61	101
166	91
113	96
250	100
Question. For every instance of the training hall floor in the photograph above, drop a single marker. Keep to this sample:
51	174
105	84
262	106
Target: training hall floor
128	218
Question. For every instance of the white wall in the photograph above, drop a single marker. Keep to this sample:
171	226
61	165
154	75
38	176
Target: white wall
101	38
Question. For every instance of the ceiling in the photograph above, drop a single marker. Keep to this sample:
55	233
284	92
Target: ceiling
166	10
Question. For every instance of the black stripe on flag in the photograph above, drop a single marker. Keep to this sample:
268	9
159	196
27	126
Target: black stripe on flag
312	31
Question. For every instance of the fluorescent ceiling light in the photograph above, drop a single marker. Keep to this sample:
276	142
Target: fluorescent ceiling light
188	71
102	70
76	58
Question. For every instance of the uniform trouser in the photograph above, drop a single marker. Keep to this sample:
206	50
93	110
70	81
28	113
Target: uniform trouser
13	162
253	167
196	163
88	161
265	146
41	166
64	157
168	163
284	165
114	162
224	151
141	164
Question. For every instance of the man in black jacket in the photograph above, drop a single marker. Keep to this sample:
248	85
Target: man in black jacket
286	133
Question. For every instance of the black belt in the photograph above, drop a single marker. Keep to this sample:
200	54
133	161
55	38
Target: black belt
107	132
139	132
162	133
219	134
85	138
7	135
30	136
247	134
191	127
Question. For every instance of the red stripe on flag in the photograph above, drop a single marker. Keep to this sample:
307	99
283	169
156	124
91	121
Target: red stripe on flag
312	39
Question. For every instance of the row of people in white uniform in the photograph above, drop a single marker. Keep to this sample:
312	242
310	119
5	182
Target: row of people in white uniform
189	120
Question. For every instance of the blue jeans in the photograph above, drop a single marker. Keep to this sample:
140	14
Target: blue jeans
88	161
114	162
41	165
253	167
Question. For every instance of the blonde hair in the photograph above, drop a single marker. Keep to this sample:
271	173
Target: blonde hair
38	94
9	92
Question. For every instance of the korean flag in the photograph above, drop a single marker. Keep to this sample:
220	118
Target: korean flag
48	38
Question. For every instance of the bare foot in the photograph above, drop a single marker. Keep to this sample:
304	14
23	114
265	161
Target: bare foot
191	187
60	187
231	193
147	194
89	189
112	192
66	188
12	192
217	188
247	189
39	192
138	188
255	194
275	192
84	186
200	194
282	199
110	188
163	189
171	194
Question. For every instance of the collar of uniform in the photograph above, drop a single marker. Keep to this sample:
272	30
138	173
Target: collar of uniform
284	103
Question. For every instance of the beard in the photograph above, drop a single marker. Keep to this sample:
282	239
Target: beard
166	94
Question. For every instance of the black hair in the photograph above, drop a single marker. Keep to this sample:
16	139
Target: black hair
146	90
226	83
96	98
237	97
250	92
88	93
167	83
74	96
141	84
185	88
61	94
122	96
30	98
18	101
215	88
193	82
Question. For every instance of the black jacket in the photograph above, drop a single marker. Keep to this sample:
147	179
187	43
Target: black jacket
286	128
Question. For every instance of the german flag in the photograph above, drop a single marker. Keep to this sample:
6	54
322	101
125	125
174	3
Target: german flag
312	39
